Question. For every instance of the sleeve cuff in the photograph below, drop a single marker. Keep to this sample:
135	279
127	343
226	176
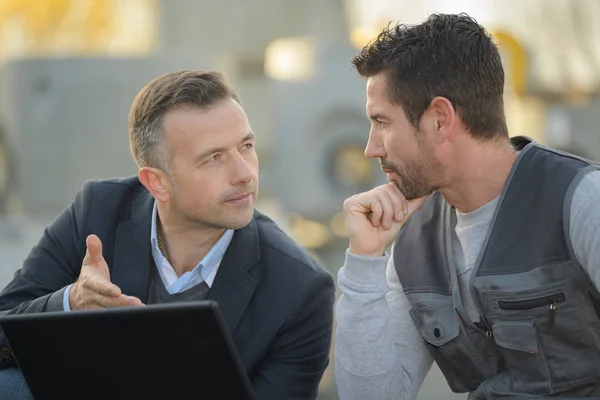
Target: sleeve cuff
59	300
365	270
66	305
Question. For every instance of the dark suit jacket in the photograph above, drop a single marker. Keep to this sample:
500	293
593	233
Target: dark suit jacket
277	302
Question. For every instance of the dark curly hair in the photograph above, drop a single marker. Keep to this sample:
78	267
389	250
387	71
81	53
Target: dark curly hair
448	55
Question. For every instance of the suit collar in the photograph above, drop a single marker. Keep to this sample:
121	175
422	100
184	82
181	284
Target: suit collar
133	256
238	275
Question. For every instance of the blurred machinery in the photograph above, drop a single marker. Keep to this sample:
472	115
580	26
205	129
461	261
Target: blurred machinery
320	135
63	119
69	70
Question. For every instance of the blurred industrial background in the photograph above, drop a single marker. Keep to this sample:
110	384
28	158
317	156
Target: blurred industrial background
69	70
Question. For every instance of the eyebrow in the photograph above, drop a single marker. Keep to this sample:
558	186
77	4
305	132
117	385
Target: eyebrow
249	136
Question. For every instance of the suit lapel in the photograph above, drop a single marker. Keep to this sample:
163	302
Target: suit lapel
132	257
236	280
233	286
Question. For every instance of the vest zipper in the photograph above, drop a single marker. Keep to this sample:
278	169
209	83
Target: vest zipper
483	327
552	301
552	313
489	342
529	304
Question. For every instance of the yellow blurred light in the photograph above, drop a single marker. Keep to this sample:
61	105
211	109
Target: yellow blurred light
517	63
338	225
290	59
362	35
351	167
309	234
526	115
76	27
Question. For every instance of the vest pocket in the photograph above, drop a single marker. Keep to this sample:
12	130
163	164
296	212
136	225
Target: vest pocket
452	351
546	337
519	345
438	326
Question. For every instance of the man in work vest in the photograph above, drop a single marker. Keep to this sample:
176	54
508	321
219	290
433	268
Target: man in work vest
495	275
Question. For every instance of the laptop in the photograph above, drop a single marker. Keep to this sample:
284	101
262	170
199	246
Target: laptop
164	351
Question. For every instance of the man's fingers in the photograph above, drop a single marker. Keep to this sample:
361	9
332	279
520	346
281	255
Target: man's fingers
388	209
381	206
94	246
134	301
374	204
102	287
111	302
409	206
93	255
398	201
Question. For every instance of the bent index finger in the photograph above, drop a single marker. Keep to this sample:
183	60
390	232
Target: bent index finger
103	287
374	204
398	201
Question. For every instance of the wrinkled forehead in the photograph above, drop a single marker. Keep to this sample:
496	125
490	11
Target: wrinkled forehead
223	124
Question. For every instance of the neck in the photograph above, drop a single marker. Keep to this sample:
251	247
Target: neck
483	168
184	244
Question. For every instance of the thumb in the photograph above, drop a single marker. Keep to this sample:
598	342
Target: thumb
415	204
93	254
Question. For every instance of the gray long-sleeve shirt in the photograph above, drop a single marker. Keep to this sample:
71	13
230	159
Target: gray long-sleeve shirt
379	353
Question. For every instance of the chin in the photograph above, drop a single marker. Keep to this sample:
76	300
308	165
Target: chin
241	220
413	194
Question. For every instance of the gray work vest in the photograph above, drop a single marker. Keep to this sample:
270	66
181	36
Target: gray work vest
539	335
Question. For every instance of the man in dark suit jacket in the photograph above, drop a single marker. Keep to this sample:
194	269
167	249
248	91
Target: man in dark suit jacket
185	229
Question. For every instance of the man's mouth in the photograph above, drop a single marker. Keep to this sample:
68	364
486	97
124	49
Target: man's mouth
240	197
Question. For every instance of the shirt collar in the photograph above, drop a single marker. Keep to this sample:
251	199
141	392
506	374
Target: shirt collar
206	266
